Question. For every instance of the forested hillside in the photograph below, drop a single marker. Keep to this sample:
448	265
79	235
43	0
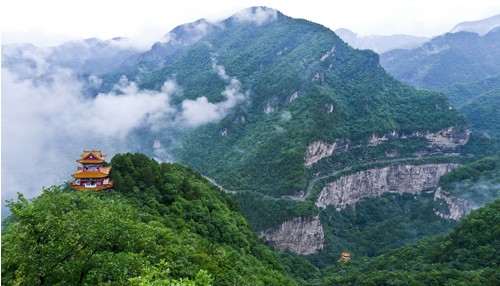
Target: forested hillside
295	83
161	221
275	109
164	223
463	65
466	256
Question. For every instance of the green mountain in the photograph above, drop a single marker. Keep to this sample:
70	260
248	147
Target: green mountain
464	65
161	223
297	84
453	58
460	93
323	150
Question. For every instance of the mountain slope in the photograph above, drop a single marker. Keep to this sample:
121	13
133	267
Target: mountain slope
298	83
482	111
281	112
160	220
463	65
468	253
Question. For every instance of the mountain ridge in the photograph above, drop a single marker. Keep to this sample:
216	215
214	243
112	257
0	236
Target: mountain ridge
480	27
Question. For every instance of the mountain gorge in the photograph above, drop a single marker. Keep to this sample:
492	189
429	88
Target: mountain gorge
322	149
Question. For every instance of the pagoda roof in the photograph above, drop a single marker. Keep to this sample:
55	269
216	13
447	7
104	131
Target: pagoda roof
89	157
102	173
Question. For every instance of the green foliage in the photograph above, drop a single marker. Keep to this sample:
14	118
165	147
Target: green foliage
265	212
466	256
377	225
169	218
160	276
460	93
70	238
477	182
482	112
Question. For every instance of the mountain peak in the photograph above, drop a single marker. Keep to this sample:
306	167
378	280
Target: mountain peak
480	27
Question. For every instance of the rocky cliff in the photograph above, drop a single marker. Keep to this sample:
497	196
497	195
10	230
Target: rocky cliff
299	235
445	140
320	149
413	179
457	207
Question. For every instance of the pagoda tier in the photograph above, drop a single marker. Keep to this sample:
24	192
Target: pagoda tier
92	175
92	157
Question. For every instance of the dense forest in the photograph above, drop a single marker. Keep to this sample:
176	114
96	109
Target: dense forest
161	221
468	255
164	224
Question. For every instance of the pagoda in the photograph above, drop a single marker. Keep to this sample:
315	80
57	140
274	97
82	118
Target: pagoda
91	175
346	256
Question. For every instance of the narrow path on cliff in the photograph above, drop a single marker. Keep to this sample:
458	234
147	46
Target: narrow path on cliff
310	185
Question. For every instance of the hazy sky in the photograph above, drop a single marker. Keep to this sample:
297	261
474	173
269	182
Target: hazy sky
51	22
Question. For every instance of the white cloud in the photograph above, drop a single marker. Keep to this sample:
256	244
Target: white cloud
258	15
200	111
47	121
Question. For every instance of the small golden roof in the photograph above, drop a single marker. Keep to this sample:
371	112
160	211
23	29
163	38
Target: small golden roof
89	157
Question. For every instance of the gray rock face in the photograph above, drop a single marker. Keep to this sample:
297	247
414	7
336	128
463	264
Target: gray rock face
457	208
445	140
299	235
319	149
400	179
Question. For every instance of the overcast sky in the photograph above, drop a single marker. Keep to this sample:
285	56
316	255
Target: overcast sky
51	22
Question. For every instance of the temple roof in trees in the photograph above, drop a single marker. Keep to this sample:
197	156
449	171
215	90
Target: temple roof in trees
92	157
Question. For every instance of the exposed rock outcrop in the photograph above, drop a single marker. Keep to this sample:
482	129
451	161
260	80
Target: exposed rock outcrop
268	109
299	235
413	179
457	207
447	138
444	139
320	149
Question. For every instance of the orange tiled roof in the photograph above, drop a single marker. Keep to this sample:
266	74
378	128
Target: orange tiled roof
93	156
103	173
345	256
103	170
